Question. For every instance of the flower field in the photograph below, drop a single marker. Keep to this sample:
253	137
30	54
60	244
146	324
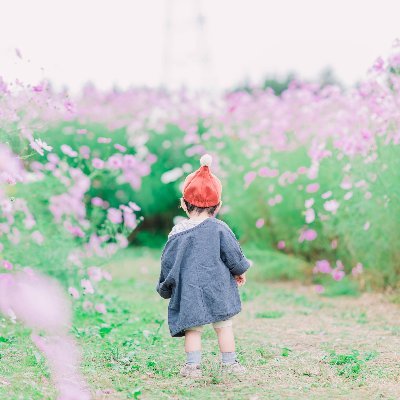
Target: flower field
310	186
313	173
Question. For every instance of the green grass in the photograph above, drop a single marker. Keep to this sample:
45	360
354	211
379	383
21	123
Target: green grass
128	353
270	314
350	365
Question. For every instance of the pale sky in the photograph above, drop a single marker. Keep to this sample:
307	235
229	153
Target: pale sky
127	42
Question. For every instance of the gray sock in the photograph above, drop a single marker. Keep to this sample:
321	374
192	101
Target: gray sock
228	358
193	357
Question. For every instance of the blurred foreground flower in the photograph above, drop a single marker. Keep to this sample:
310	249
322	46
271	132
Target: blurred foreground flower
41	304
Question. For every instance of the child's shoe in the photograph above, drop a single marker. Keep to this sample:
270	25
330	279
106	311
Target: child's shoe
234	368
191	371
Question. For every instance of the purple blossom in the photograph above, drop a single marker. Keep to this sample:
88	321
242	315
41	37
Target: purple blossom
87	286
337	274
308	235
114	215
97	163
260	223
7	265
73	292
312	188
68	151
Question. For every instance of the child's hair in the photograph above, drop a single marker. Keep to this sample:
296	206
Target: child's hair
209	210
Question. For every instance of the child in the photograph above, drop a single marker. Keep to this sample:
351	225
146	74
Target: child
202	266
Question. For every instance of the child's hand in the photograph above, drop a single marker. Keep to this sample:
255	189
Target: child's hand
240	279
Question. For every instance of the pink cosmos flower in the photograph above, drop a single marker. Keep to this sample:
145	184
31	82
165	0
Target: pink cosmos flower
331	206
121	240
134	206
68	151
260	223
379	65
152	158
394	60
308	235
339	265
119	147
101	308
41	305
81	131
319	289
53	158
97	163
267	172
37	237
312	188
114	215
281	245
278	199
107	276
73	292
309	215
7	265
348	195
115	162
357	270
84	151
338	275
104	140
249	177
97	201
130	161
87	286
36	147
326	195
309	203
75	230
302	170
323	267
95	273
29	222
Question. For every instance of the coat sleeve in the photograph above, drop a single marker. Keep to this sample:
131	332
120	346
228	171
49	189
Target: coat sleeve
166	281
231	253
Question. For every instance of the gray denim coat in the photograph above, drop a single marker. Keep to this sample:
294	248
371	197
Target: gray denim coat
197	275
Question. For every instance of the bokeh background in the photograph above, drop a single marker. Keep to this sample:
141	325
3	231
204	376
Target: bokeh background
105	108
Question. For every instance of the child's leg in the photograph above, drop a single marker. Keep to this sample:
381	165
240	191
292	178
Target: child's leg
193	345
192	340
226	341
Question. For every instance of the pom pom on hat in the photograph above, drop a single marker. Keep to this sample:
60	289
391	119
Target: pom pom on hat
205	160
202	188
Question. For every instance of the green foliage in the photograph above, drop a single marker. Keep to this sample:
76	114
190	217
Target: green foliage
359	225
345	287
285	352
270	314
349	365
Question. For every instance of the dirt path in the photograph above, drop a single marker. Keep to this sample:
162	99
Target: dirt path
286	336
295	344
310	328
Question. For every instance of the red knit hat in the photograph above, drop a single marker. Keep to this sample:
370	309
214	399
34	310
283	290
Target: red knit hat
202	188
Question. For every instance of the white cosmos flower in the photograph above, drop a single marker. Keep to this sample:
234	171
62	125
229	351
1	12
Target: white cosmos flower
43	145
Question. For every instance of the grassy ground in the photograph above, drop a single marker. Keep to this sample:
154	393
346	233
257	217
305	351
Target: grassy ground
296	345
